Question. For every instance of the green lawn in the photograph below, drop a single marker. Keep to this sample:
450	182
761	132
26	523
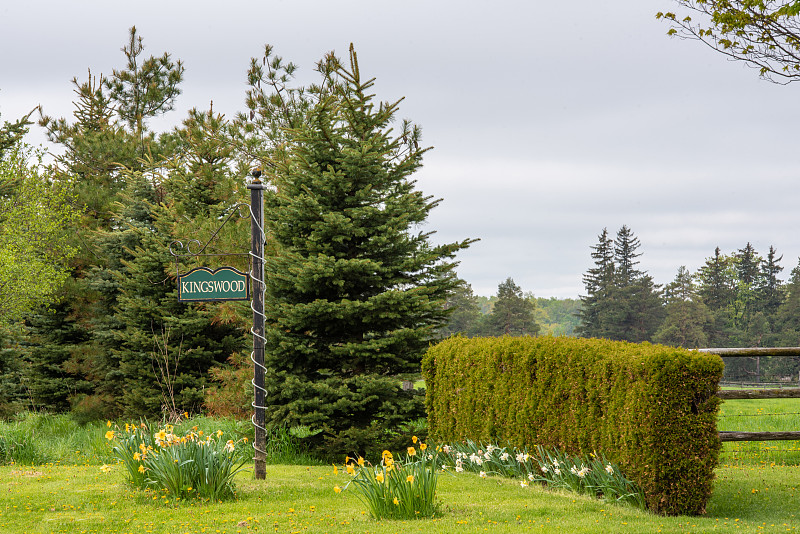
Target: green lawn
82	499
756	491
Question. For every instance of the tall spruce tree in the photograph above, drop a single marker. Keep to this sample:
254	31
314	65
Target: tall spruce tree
718	290
599	283
354	291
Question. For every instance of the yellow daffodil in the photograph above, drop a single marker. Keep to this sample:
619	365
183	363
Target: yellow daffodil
422	446
414	439
137	456
110	435
105	468
379	478
337	489
386	454
335	470
141	468
410	478
219	433
108	424
127	427
396	502
186	415
160	435
350	469
412	451
361	461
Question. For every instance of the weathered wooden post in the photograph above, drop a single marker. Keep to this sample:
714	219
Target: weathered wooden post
257	276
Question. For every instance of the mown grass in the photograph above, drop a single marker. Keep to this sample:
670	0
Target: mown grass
82	499
756	491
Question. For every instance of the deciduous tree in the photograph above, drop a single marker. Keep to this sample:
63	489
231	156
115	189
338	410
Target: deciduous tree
763	33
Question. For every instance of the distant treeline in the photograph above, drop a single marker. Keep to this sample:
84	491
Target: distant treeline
732	300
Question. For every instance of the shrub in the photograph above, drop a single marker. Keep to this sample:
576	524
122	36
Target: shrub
651	408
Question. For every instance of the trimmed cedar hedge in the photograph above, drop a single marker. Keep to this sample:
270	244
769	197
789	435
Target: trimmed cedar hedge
649	408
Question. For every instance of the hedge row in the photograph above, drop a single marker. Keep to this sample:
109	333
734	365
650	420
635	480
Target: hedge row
651	409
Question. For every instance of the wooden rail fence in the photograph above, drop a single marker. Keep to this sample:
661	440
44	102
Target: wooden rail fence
783	393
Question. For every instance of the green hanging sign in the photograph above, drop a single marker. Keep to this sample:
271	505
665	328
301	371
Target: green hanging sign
203	284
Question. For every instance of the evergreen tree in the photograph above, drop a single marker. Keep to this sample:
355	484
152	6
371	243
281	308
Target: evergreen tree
354	293
107	142
748	270
599	283
465	315
718	290
622	303
686	318
513	314
12	133
770	290
788	316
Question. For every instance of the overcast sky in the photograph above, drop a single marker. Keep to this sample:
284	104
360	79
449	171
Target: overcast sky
550	121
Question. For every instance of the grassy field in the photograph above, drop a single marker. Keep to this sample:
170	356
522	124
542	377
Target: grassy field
760	416
82	499
63	490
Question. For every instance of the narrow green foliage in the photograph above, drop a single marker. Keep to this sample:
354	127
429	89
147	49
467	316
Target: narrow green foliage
591	474
398	489
195	465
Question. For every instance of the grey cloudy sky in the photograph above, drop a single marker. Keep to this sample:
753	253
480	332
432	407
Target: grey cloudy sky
550	120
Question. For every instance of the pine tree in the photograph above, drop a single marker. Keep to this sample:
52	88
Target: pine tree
465	315
686	318
512	314
107	141
354	292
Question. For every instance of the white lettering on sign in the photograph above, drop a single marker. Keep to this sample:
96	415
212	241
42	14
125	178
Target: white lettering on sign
213	286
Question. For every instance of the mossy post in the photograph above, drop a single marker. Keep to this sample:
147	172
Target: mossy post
257	275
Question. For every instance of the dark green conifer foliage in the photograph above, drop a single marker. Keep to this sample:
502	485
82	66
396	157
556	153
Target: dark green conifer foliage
770	290
355	291
622	302
106	143
465	312
718	290
686	317
789	312
599	283
513	314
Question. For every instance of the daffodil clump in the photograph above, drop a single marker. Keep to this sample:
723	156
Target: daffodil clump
592	475
397	488
194	465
